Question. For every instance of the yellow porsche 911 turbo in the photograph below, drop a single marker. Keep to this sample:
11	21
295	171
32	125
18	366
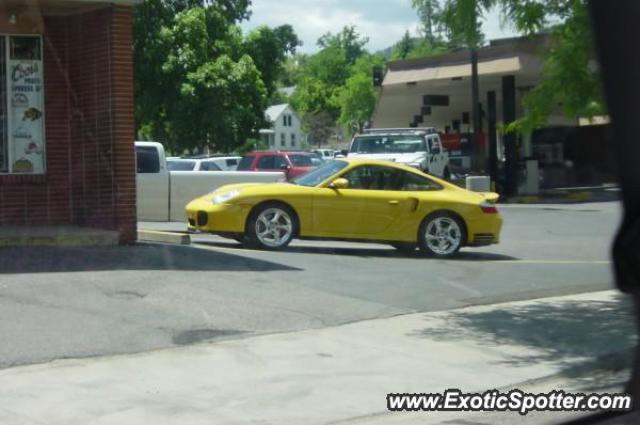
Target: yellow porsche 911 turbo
355	200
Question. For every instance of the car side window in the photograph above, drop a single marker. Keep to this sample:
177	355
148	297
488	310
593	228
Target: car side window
147	160
374	177
210	166
434	145
245	163
266	163
280	162
411	182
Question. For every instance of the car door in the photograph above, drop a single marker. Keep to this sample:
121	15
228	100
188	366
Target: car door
436	157
368	208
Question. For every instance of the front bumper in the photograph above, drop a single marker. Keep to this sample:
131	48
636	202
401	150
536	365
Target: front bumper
203	216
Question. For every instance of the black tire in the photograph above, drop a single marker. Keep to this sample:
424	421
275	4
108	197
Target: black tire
405	247
457	231
255	228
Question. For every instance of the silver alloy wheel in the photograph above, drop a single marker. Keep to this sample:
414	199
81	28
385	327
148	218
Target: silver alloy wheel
274	227
443	235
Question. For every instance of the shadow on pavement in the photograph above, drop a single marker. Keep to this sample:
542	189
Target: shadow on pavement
382	252
136	257
552	331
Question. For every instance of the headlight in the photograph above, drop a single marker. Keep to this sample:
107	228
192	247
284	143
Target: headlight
225	197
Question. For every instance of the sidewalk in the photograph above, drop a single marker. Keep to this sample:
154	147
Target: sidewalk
570	195
323	376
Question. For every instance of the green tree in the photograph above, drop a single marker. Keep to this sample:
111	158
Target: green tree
269	48
403	48
428	11
570	82
348	40
357	100
198	82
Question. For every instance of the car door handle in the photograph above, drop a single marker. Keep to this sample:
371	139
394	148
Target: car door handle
394	202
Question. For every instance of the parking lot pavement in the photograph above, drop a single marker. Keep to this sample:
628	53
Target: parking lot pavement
89	302
336	375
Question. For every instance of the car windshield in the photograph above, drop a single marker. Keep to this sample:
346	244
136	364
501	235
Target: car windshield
181	165
388	144
320	174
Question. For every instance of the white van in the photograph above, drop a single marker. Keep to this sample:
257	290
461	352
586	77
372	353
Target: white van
417	147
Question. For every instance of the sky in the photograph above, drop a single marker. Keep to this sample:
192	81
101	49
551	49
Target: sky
383	21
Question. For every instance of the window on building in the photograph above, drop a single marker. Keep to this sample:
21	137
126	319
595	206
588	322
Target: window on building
284	120
283	139
21	105
293	139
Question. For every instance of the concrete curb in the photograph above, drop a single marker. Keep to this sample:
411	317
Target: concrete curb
582	196
164	237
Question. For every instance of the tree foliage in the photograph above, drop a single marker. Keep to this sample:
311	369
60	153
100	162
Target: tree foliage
335	84
429	12
198	81
570	83
348	40
269	48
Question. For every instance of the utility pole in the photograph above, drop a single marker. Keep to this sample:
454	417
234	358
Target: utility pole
477	158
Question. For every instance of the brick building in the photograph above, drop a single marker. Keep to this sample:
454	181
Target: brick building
66	115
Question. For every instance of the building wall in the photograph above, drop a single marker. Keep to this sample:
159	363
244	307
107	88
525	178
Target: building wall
89	129
279	129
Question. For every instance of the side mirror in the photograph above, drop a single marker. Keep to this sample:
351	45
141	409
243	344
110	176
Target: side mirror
284	167
339	184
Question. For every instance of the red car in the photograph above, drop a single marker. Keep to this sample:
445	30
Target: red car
292	163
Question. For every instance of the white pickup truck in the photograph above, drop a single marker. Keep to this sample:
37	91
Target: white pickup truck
163	194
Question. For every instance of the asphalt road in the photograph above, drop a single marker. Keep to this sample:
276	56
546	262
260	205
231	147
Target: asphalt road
60	303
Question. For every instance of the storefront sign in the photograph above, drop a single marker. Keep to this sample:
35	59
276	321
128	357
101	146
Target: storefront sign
26	106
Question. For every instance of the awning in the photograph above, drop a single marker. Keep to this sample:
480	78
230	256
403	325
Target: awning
501	66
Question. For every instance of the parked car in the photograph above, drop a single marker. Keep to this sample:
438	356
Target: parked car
325	154
420	148
355	199
292	164
226	163
183	164
163	193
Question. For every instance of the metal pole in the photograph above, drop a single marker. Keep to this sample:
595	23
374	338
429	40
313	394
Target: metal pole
510	148
477	162
493	137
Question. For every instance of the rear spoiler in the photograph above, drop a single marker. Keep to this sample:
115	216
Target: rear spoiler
490	196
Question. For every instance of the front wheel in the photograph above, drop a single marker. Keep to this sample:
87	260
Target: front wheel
271	226
441	235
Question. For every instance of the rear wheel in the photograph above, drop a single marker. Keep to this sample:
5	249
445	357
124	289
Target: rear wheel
271	226
441	235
